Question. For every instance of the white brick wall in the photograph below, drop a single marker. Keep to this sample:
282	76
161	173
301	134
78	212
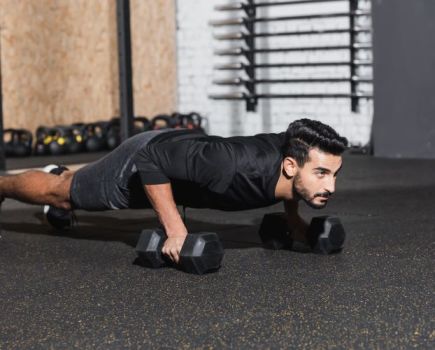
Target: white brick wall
196	60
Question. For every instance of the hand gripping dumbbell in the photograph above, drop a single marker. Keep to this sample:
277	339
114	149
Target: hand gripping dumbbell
201	252
325	234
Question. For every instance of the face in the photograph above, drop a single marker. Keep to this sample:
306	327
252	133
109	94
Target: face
314	183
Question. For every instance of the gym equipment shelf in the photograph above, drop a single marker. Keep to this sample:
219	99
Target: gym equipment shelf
247	52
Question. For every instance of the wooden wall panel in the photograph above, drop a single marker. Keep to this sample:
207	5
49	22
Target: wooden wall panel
59	60
154	56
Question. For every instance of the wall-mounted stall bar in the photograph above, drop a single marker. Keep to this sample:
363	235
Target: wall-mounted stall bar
247	51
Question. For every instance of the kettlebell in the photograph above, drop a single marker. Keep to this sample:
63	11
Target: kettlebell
196	119
43	139
77	143
141	124
163	121
61	138
18	142
113	138
95	136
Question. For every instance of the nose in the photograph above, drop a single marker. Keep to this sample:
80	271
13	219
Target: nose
330	187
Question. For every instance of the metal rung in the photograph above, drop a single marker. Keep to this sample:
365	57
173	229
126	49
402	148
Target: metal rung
230	96
231	52
242	5
240	81
296	2
244	96
229	66
363	46
358	95
237	21
233	81
240	35
238	66
231	36
231	7
227	22
241	51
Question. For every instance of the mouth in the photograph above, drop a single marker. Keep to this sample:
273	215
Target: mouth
322	196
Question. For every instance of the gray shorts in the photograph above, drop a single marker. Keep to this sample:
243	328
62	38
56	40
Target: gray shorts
112	182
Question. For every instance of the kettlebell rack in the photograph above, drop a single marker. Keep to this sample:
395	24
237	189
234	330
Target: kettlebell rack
97	136
247	85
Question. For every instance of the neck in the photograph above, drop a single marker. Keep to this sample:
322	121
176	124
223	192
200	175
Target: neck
284	187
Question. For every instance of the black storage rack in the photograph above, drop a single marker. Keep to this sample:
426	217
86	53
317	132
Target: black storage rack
248	51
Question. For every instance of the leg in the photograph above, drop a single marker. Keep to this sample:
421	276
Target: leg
37	187
112	182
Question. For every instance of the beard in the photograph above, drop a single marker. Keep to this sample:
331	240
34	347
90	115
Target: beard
302	193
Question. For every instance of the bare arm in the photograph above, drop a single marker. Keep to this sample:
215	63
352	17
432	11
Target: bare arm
296	223
163	203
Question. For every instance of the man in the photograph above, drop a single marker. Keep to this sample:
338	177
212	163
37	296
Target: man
165	168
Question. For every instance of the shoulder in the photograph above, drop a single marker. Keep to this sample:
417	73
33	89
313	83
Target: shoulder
258	144
258	155
172	135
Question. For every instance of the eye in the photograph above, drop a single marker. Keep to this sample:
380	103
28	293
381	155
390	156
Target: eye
320	173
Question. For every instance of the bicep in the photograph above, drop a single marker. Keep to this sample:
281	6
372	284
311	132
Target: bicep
158	163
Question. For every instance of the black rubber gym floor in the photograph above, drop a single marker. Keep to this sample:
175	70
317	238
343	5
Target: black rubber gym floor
82	290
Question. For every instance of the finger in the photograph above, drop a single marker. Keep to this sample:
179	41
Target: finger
164	251
178	254
167	253
174	255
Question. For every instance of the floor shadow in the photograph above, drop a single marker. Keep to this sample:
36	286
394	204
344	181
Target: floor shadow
106	227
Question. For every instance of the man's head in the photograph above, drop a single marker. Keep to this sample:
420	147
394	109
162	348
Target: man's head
312	158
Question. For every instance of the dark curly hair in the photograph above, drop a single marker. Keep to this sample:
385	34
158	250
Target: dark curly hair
304	134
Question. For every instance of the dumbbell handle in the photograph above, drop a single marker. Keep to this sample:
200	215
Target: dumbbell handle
156	243
192	258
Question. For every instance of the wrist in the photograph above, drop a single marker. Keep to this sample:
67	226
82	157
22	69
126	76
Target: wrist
176	232
173	225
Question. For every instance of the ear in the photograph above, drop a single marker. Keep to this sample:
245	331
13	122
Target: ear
289	167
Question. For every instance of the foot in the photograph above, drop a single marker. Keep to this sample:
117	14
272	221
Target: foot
58	218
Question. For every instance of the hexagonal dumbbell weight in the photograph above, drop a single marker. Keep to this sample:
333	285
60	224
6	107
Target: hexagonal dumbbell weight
201	252
326	234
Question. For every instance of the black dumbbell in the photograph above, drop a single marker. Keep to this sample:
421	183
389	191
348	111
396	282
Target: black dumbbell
325	234
201	252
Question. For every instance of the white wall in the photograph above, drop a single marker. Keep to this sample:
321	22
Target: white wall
196	60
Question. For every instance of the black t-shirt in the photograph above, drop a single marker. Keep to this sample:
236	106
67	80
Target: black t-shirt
233	173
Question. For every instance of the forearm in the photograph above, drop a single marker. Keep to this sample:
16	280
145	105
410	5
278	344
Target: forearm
163	203
291	208
295	222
